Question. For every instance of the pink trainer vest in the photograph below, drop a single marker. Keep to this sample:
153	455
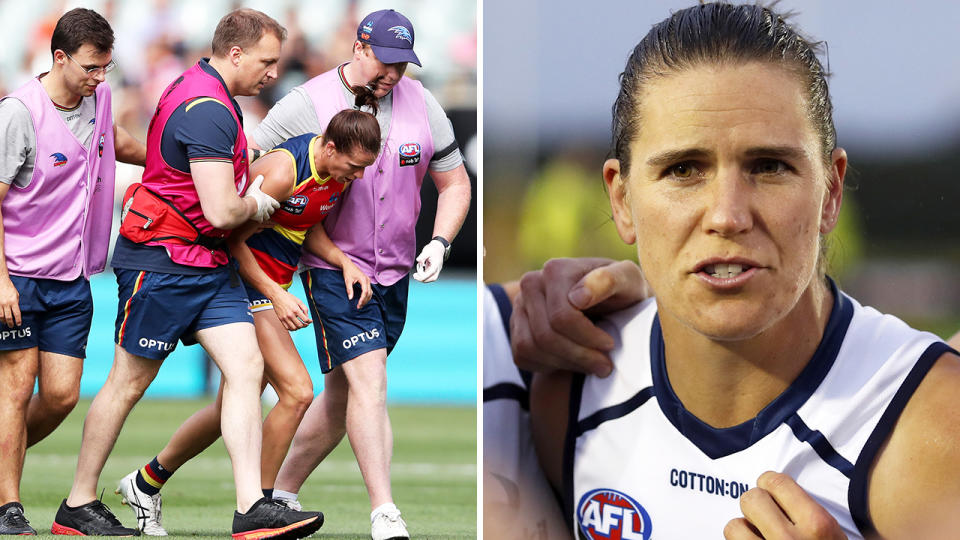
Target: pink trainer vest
58	227
177	186
375	223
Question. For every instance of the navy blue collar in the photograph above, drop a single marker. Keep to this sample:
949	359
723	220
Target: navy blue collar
210	70
720	442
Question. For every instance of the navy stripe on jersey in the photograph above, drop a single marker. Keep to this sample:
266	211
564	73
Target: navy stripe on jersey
720	442
570	446
206	132
506	310
614	411
299	147
503	305
857	492
508	391
820	445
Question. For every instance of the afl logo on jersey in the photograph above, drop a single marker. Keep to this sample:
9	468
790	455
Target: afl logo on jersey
295	204
409	154
59	160
609	514
100	146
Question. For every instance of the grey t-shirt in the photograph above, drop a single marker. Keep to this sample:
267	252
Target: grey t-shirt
295	115
19	149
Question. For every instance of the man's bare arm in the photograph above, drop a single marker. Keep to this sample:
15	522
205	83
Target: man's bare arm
127	148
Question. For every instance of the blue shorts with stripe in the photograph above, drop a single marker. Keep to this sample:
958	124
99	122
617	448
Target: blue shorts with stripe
56	316
256	300
156	309
345	332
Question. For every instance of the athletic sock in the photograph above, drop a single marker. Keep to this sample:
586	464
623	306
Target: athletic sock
268	493
281	494
385	507
152	477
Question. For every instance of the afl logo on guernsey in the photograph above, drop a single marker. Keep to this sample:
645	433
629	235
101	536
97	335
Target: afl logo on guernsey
409	154
609	514
100	146
59	160
295	204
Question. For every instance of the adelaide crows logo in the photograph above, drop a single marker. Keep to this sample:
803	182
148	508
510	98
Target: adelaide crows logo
59	160
612	515
401	32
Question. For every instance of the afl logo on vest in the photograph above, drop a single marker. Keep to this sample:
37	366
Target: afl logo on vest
59	160
611	515
409	154
100	146
295	204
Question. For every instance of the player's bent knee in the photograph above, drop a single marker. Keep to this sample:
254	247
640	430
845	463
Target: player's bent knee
60	401
299	397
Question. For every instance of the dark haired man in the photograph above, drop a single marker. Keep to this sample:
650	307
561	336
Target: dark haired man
176	281
56	185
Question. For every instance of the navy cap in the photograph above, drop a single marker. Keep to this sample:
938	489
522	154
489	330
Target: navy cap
390	35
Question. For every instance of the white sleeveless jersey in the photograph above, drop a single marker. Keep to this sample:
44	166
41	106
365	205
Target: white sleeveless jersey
644	468
512	478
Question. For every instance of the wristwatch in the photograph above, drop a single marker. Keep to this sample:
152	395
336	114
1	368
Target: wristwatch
446	246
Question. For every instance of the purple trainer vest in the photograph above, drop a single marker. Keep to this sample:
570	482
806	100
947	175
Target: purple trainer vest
375	224
58	227
177	186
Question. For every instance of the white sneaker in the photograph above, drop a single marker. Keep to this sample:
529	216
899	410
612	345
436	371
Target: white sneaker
292	504
388	525
145	507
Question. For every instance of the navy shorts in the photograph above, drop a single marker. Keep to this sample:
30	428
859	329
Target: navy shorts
345	332
56	316
157	309
256	300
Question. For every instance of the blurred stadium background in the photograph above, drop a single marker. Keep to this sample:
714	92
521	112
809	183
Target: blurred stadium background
896	96
435	360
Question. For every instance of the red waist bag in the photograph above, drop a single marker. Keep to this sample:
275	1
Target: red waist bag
148	217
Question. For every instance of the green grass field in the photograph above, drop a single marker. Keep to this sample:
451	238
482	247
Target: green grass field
434	475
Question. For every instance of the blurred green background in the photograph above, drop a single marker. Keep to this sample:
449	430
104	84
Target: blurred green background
895	86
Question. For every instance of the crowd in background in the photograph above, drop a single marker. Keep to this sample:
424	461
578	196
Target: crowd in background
156	40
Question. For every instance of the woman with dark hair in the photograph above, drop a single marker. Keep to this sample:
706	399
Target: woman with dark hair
726	174
310	174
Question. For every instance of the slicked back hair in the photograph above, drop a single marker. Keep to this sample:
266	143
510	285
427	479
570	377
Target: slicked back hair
720	34
351	130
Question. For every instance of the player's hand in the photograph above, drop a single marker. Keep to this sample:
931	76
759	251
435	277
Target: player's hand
430	262
290	310
353	275
266	204
9	303
779	509
550	328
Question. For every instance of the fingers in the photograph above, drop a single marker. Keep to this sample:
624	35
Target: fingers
811	520
562	315
763	513
349	281
302	315
17	319
610	288
740	529
539	339
8	316
428	267
778	508
366	292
